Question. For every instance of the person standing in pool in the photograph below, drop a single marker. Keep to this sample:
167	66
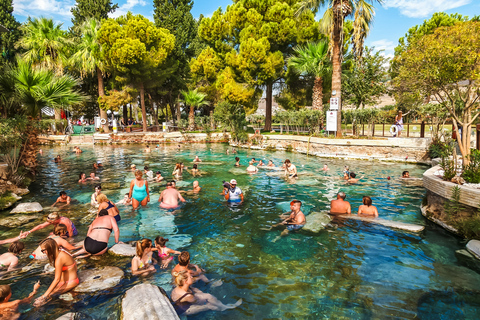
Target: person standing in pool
108	205
139	191
178	171
296	220
63	198
147	149
340	206
170	196
232	192
54	218
367	210
251	168
290	169
197	159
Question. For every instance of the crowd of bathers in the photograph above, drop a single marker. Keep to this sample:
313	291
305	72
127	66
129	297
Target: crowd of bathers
185	297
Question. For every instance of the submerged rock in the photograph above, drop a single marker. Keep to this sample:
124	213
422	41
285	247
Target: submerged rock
17	221
473	246
93	280
122	249
28	207
388	223
146	302
317	221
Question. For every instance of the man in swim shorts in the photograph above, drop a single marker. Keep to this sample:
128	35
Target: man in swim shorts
296	220
63	199
340	206
290	169
232	192
169	197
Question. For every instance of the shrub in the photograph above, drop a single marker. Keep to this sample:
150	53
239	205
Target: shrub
440	149
471	172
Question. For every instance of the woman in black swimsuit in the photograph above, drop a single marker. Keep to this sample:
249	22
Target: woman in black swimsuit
104	203
188	301
96	242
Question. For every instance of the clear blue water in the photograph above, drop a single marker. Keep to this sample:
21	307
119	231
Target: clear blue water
353	271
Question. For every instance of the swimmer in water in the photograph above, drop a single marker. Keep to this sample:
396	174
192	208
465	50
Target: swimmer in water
197	159
253	160
237	162
147	149
92	176
325	168
184	264
346	173
169	197
133	168
164	252
366	209
195	170
270	164
260	163
158	176
126	201
77	149
178	171
405	174
251	168
9	309
196	188
57	159
340	206
82	178
9	259
353	178
63	198
290	169
148	173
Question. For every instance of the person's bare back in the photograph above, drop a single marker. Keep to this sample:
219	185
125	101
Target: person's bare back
169	198
340	206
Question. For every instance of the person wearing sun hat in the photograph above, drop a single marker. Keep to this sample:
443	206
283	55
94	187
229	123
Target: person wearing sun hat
232	192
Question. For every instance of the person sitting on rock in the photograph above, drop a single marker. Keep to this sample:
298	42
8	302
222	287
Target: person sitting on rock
296	219
9	259
9	309
59	233
63	198
340	206
184	265
54	218
367	210
142	262
188	300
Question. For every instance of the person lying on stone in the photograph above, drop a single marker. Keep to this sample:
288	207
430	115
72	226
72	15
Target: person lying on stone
63	198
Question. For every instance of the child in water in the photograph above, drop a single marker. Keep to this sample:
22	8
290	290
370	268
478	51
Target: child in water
9	309
164	252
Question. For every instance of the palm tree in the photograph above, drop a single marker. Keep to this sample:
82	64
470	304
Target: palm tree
332	24
36	88
364	13
194	99
87	60
312	59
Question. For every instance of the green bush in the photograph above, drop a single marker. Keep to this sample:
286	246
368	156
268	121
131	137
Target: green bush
448	167
440	149
471	172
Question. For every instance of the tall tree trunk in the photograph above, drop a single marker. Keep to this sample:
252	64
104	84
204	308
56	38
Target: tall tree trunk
191	119
337	60
268	108
101	93
317	95
125	114
131	111
172	109
212	120
155	112
142	103
179	111
58	114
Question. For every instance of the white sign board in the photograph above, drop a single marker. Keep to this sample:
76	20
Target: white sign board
333	103
331	120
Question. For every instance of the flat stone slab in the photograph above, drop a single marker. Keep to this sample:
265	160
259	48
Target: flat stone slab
28	207
17	221
146	302
317	221
67	316
122	249
93	280
388	223
473	246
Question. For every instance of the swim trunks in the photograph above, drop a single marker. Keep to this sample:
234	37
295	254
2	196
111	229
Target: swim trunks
294	227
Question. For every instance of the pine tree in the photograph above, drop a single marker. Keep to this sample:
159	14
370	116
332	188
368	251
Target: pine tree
8	39
84	9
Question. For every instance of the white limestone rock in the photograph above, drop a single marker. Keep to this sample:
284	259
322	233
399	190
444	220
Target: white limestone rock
67	316
93	280
122	249
317	221
28	207
388	223
146	302
473	246
17	221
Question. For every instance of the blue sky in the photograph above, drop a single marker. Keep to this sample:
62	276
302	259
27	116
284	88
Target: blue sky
392	20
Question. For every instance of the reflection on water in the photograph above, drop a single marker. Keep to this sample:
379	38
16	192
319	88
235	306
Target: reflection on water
352	271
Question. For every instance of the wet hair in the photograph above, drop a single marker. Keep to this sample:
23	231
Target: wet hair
60	230
297	201
173	182
184	258
161	241
102	198
103	212
142	245
148	146
178	166
51	247
287	161
367	201
145	168
92	172
158	172
98	186
127	194
5	291
237	159
138	173
342	195
195	166
253	159
80	175
16	247
352	175
404	173
180	277
271	161
53	216
63	193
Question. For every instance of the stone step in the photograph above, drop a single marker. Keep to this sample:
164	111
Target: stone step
388	223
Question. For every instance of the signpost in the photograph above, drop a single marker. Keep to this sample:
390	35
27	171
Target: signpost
331	120
333	103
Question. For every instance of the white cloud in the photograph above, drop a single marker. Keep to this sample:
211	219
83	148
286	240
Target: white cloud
43	7
128	6
383	44
423	8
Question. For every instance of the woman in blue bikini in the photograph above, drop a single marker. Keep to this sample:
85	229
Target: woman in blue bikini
139	191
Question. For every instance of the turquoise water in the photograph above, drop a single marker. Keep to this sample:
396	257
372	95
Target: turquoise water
350	271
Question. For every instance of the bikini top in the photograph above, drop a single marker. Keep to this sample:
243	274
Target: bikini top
142	265
65	268
163	255
178	301
109	229
110	205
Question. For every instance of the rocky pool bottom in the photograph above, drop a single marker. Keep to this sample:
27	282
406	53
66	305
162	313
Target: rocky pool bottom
353	270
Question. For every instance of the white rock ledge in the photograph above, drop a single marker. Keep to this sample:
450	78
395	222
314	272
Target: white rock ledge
122	249
317	221
473	246
28	207
146	302
93	280
388	223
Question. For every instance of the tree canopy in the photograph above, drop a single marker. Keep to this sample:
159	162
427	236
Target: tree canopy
97	9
